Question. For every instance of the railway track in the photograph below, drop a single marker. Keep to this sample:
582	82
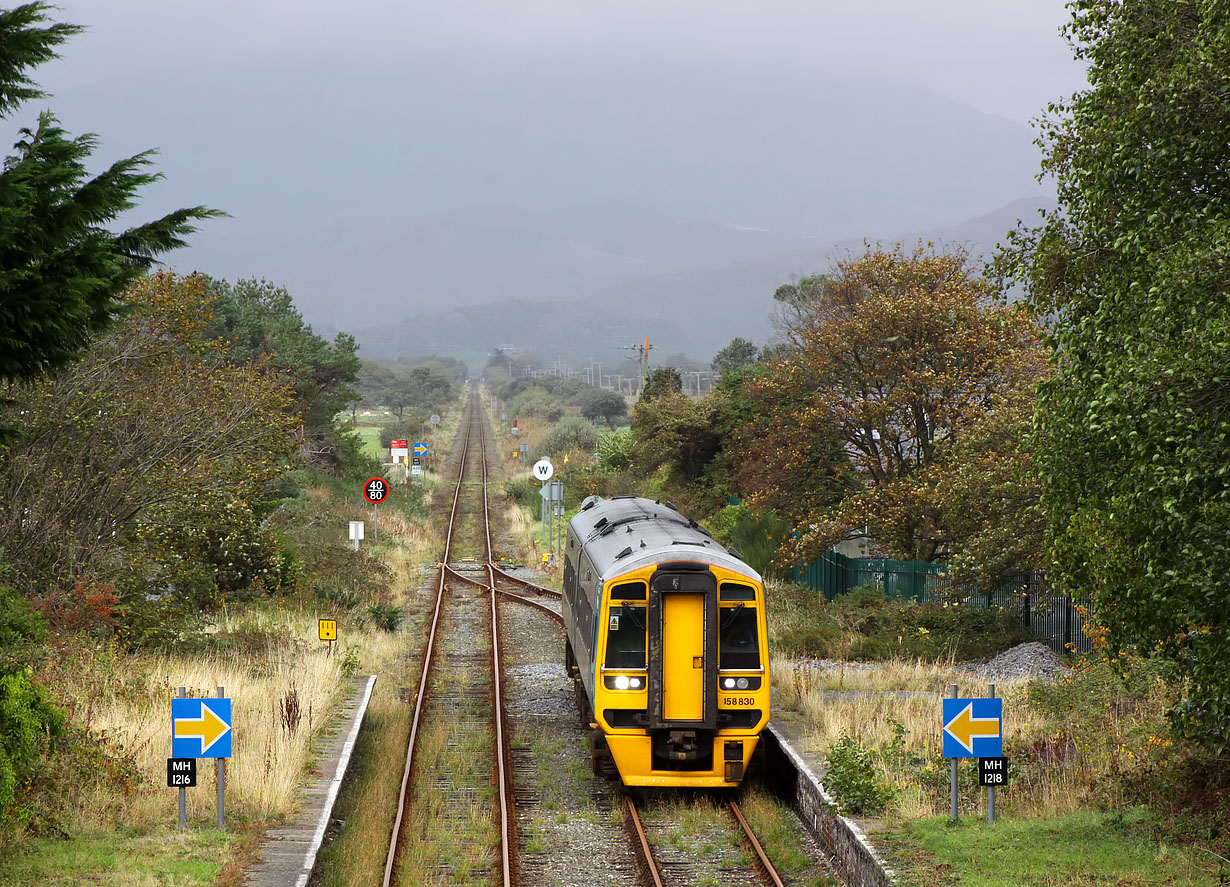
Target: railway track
462	686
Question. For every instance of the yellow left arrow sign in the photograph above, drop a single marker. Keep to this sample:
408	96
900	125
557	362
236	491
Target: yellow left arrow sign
209	728
965	728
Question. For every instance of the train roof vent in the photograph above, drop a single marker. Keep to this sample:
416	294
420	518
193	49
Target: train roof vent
601	522
627	551
735	553
590	502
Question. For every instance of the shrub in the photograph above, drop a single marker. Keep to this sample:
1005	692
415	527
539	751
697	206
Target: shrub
615	450
568	434
26	717
853	778
384	616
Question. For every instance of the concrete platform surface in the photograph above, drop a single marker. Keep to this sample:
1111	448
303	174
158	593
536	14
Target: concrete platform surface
288	853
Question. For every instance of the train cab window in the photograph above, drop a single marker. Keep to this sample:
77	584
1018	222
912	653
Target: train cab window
625	637
628	591
734	591
738	645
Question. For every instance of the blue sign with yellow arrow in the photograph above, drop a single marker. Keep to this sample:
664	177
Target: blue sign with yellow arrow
200	728
973	728
419	449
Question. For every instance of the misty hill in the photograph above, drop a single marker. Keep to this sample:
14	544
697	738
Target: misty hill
374	190
694	312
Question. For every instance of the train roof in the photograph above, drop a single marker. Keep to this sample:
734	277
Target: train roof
626	533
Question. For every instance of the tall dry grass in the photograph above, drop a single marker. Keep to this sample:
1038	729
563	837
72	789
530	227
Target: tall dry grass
1059	756
285	689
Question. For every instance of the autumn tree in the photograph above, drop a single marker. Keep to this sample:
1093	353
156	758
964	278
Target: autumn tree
1134	430
62	270
902	357
144	461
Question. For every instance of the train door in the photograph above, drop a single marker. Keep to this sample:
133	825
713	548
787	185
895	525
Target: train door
683	647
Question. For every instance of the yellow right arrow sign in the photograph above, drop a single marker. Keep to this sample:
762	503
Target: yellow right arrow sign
208	727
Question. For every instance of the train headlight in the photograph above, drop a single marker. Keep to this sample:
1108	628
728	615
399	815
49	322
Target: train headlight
728	683
741	683
622	682
634	683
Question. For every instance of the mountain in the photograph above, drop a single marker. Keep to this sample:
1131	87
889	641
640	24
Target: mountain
376	189
694	312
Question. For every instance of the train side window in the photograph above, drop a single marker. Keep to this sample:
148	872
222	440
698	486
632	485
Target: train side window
734	591
738	643
629	591
625	637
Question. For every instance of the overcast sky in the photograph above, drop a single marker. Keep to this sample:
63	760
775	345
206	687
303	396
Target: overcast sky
404	153
1001	56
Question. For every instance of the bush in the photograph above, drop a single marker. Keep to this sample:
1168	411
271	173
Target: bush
615	450
523	491
26	718
568	434
384	616
863	625
756	536
852	777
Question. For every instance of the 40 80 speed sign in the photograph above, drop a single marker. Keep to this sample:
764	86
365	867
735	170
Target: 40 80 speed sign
376	490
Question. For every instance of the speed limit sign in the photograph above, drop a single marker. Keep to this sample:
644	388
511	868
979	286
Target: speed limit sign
376	489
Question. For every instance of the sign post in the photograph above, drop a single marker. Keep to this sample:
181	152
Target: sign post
327	628
543	470
183	787
973	728
220	763
376	490
990	786
201	728
435	422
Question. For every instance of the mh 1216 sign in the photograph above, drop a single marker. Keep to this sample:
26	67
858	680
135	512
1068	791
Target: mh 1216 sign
376	489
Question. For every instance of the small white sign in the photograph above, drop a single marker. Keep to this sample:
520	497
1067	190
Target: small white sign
543	469
435	420
416	470
356	530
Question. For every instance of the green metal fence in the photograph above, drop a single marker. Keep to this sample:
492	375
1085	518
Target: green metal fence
836	574
1054	618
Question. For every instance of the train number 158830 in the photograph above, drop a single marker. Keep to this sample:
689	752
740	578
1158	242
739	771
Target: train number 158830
731	701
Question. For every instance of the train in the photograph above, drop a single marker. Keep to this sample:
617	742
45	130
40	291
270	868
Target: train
666	643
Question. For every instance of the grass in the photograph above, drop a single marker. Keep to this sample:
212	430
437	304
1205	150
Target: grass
1087	847
1093	741
778	831
104	795
284	689
109	859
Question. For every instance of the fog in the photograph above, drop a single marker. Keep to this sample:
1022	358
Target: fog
385	159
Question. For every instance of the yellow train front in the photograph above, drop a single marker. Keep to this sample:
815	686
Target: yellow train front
666	644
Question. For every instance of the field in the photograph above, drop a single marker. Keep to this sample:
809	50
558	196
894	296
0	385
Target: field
1095	779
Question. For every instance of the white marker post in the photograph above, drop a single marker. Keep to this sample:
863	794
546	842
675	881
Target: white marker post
356	532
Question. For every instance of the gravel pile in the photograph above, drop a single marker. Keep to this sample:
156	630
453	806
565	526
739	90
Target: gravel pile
1030	660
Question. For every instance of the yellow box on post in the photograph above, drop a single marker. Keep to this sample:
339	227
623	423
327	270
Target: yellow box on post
328	629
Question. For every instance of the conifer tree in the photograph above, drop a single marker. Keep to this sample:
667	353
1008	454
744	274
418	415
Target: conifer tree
61	268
